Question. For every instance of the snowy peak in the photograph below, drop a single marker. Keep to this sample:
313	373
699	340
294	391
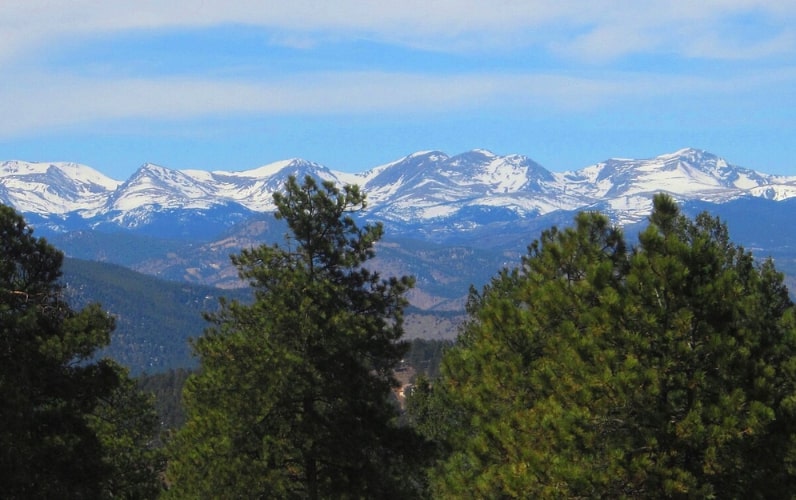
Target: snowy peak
433	185
153	185
698	162
80	174
298	168
499	174
282	169
265	171
397	178
160	187
624	187
480	169
53	188
254	188
686	172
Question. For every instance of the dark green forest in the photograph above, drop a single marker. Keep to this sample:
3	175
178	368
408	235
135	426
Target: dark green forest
154	318
424	356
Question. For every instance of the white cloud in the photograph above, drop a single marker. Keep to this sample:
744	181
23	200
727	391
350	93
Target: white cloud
601	29
67	100
704	29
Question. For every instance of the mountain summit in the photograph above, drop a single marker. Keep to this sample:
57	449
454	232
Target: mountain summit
54	188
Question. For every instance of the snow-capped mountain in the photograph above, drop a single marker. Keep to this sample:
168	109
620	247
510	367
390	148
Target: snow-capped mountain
624	187
156	186
432	185
427	188
54	188
153	185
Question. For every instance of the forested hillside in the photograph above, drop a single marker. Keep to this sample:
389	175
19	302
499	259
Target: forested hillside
154	318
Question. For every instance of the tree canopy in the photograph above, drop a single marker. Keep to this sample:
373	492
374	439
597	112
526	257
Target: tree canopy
70	426
595	369
292	398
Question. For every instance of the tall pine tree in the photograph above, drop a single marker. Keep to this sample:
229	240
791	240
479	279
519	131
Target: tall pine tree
293	397
666	370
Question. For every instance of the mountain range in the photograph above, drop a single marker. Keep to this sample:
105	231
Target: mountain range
421	187
451	221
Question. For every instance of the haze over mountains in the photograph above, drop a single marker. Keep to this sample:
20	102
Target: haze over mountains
450	220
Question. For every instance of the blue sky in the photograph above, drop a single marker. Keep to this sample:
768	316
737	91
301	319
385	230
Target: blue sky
231	85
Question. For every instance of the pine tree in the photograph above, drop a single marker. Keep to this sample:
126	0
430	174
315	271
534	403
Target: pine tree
127	425
715	335
293	395
665	370
53	391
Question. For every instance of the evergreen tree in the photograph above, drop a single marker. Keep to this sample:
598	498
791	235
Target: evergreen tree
293	395
127	426
52	392
592	371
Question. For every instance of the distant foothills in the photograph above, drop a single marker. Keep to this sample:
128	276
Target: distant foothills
450	221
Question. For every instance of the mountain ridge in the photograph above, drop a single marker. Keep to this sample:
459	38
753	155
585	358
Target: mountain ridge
421	187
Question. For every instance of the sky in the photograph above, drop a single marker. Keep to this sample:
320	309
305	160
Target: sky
232	85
